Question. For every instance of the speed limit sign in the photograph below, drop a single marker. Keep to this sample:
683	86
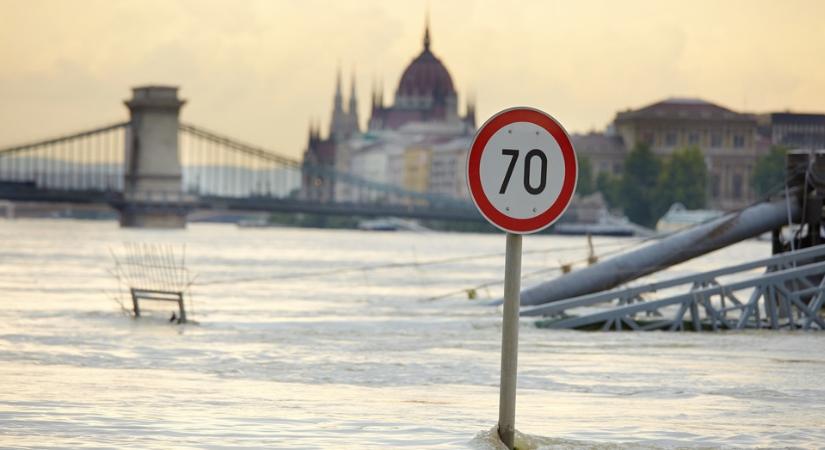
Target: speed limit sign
522	173
521	170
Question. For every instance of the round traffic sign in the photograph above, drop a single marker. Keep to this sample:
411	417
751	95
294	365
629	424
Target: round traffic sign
522	170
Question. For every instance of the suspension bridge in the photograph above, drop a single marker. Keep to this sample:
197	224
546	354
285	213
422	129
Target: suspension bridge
154	170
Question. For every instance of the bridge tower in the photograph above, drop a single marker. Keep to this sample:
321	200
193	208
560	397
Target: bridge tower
153	195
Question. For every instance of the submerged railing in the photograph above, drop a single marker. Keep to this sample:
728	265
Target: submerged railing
789	294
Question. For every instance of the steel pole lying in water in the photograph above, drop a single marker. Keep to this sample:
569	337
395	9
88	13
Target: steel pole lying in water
682	246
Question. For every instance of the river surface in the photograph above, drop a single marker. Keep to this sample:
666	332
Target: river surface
308	339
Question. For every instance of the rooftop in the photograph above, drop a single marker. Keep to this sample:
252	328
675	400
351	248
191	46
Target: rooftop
595	142
683	108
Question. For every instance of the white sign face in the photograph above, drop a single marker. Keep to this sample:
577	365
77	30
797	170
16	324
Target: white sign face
521	170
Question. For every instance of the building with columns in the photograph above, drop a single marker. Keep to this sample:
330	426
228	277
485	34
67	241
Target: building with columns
728	140
794	130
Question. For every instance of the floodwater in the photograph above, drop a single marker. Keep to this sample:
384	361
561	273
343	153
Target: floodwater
299	345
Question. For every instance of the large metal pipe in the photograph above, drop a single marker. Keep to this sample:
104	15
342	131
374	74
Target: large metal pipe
679	247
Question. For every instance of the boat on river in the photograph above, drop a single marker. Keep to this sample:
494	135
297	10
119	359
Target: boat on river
678	217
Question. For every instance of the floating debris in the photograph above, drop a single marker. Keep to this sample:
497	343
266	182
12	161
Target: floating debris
154	272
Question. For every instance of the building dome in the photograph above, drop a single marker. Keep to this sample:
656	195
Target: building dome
425	94
426	76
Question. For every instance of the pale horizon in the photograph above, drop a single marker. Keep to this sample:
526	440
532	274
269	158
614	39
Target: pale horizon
260	71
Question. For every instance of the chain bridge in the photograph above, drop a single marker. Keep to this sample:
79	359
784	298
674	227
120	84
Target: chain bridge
154	170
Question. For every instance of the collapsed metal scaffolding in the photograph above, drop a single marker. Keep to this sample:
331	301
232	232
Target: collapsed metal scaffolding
789	294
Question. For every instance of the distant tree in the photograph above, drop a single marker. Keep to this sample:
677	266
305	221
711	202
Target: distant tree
769	172
610	187
584	185
638	186
683	179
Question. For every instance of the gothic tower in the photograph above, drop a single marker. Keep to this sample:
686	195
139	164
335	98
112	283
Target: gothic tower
344	123
338	124
352	111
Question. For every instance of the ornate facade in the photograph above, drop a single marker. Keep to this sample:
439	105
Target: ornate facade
402	141
425	94
728	139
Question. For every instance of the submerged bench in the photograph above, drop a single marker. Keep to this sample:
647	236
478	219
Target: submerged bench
156	295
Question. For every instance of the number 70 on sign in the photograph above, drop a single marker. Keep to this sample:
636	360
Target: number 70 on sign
513	154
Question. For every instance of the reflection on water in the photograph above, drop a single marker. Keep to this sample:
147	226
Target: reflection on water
363	359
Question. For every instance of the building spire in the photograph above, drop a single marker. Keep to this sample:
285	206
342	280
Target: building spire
427	33
352	111
353	100
470	115
339	98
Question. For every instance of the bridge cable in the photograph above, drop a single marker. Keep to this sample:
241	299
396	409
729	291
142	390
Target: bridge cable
398	265
527	275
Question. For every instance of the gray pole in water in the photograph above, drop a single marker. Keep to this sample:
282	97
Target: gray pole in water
509	341
699	240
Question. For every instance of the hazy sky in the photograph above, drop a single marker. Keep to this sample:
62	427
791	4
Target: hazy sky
261	70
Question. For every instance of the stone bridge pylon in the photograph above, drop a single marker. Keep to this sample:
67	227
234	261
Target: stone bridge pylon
153	194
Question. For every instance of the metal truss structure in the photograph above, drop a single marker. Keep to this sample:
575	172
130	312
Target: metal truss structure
789	293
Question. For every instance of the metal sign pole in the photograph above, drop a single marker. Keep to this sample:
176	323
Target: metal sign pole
509	341
508	142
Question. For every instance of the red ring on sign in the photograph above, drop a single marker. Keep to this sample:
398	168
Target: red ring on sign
551	214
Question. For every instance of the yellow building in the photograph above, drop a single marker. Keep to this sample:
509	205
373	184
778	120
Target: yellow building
416	168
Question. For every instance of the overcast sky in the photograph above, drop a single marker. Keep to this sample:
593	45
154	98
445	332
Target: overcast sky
261	70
